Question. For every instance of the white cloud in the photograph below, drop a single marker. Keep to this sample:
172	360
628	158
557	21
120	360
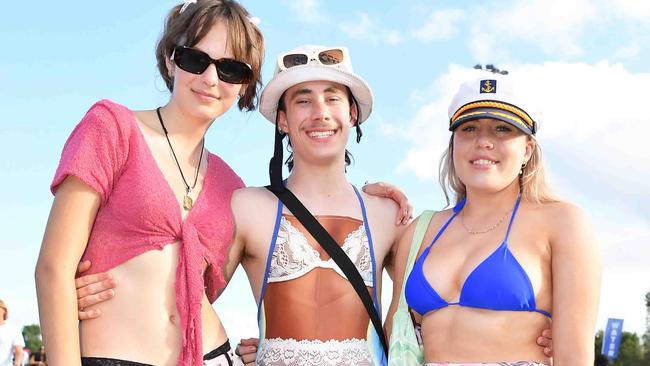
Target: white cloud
594	138
553	25
441	24
366	29
306	11
631	9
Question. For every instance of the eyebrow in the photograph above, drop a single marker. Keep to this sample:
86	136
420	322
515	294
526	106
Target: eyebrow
306	91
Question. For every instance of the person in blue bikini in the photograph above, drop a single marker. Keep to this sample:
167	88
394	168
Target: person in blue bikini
494	270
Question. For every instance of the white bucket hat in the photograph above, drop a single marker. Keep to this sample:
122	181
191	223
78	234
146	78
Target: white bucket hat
494	96
311	63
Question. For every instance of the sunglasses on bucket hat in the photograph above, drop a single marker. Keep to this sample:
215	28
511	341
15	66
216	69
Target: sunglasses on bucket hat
326	57
196	62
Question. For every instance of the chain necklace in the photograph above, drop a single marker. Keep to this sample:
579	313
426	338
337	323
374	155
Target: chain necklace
187	200
487	230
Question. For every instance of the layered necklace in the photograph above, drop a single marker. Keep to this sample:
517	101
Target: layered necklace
188	202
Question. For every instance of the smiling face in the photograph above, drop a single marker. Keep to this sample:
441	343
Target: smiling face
488	154
205	96
317	116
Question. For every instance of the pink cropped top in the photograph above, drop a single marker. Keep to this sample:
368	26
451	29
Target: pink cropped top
139	211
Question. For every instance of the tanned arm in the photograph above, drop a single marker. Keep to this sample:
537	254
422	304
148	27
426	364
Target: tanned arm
66	235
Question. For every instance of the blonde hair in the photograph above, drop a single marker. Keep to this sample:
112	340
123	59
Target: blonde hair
532	182
4	306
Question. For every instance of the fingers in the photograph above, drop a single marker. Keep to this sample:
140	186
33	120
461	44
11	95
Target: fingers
83	266
542	341
249	342
92	284
86	301
92	290
246	350
89	314
546	341
548	351
387	190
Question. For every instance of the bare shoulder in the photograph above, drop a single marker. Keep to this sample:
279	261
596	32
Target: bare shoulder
248	197
559	213
380	207
250	202
564	222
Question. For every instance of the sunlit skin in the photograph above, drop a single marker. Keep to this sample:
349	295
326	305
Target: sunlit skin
204	97
318	120
321	120
488	155
141	323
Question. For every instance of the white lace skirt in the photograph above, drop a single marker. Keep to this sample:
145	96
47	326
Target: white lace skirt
290	352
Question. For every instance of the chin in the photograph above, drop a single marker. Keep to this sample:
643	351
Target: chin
211	111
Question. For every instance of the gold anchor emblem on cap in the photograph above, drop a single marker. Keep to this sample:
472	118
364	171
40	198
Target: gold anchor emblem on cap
487	87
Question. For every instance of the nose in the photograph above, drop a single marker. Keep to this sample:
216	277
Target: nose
484	140
210	76
320	110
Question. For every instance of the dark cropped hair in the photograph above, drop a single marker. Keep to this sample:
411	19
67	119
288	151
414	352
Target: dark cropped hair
348	156
190	26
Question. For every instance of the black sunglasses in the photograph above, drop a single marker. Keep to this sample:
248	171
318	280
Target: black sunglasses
196	62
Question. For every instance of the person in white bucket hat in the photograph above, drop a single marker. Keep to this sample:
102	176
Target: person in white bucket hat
308	312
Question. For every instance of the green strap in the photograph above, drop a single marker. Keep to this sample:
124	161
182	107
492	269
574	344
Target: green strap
416	243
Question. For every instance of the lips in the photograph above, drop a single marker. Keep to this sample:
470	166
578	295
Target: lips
206	95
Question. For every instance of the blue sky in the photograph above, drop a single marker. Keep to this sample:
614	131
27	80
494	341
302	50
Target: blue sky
585	63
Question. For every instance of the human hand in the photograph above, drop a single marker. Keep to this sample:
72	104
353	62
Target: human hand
387	190
92	289
546	341
247	350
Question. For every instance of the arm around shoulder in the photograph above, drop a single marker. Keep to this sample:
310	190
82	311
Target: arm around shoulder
400	258
576	272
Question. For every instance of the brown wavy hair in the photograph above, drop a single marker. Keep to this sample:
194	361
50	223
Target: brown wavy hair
190	26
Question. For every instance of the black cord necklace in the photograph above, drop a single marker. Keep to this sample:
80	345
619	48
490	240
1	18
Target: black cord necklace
187	200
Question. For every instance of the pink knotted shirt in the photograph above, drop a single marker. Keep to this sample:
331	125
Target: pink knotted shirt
139	211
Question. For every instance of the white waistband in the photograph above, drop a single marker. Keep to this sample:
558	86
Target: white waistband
282	352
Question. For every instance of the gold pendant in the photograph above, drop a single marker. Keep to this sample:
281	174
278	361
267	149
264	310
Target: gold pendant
187	203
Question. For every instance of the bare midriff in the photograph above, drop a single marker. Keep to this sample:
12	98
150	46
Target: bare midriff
141	322
320	305
463	334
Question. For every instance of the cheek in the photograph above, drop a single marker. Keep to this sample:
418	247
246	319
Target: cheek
230	89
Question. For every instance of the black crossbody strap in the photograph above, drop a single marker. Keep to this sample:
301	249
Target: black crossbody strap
334	250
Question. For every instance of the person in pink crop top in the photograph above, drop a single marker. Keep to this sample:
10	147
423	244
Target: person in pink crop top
137	194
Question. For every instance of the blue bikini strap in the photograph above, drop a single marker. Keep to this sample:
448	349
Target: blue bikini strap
274	239
371	246
512	218
457	209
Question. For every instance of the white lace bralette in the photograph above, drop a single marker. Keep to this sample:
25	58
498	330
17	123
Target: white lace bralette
294	257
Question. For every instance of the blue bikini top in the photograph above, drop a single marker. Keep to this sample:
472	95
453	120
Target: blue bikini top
497	283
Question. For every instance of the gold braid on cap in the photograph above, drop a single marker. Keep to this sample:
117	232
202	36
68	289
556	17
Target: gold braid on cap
490	104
